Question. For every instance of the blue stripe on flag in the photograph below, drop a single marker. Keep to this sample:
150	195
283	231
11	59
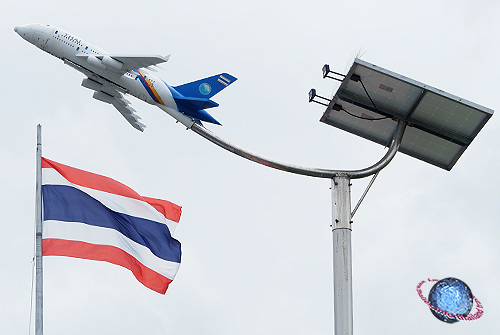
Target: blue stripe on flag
66	203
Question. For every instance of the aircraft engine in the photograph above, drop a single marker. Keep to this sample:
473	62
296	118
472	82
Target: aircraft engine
104	97
93	60
91	84
113	63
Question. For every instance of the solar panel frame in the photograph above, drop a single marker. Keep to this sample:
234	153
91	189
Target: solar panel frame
427	154
420	105
348	123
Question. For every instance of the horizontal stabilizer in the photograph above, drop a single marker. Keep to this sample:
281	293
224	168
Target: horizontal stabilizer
207	87
195	103
199	115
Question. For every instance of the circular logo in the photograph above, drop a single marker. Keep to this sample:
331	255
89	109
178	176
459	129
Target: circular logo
205	89
451	300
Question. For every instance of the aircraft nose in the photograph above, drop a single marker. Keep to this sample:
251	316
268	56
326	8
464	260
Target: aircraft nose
22	31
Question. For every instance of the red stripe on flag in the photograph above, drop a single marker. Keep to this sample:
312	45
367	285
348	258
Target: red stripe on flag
107	253
94	181
91	180
169	210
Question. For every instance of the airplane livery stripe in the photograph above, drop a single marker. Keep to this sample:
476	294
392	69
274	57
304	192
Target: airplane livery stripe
225	79
150	88
220	81
146	86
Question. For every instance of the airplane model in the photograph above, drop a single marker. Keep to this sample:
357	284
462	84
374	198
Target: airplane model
112	76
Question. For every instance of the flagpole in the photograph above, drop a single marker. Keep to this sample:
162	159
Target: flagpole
38	237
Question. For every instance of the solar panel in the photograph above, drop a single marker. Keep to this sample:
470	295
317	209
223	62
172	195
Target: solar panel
440	125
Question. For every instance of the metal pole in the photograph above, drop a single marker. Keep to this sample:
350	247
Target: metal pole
341	226
38	237
307	171
364	193
342	255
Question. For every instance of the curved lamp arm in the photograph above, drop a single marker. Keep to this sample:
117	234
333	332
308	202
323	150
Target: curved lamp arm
312	172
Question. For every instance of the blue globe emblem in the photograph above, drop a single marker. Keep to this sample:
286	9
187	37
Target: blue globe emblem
452	296
205	89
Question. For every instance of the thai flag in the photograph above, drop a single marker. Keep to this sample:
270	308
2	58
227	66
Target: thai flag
95	217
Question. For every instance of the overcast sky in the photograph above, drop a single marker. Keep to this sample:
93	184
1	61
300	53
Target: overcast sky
256	242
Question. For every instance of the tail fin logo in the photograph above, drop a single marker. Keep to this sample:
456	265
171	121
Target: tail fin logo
224	80
205	89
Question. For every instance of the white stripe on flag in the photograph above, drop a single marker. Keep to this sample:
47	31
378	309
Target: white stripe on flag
76	231
116	203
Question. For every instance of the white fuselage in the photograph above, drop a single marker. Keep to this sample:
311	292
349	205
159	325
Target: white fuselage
97	66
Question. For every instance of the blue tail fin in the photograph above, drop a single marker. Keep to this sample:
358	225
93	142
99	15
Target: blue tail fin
207	87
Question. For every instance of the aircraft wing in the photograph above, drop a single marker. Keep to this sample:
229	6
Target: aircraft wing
127	63
109	92
131	62
123	106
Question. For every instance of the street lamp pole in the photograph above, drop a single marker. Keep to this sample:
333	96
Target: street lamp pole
342	251
341	225
342	255
377	104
